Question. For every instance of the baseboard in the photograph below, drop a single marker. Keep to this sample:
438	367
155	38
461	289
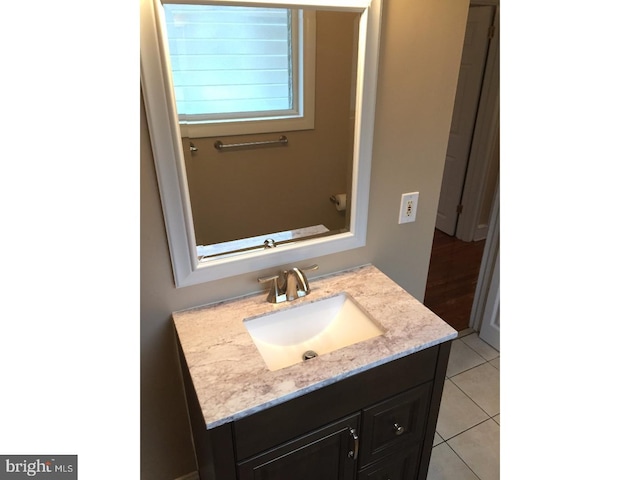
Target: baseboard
481	232
189	476
465	332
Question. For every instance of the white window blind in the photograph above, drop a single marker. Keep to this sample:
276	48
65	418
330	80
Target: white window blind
231	62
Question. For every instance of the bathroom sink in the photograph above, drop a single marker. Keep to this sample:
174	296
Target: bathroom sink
290	336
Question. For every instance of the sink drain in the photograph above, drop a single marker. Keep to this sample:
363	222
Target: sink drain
309	354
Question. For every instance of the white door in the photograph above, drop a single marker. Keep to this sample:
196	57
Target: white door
472	65
490	328
485	313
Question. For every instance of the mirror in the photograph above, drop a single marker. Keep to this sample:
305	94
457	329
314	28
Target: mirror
206	221
264	189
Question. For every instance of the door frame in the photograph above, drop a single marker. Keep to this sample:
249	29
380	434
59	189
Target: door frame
485	139
490	326
486	297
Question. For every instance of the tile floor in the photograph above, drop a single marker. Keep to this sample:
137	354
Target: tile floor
467	441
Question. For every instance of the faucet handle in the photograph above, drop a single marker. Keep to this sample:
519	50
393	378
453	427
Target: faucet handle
297	283
268	279
276	295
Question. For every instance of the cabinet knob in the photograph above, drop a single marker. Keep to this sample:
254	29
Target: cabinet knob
399	429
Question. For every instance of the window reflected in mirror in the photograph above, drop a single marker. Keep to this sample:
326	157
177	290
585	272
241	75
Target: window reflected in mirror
236	69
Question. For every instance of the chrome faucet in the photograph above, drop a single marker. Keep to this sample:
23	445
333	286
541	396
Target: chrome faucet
297	283
288	284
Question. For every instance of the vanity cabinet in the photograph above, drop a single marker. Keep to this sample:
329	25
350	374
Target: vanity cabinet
377	424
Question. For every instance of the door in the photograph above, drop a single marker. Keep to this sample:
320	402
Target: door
329	453
472	67
485	313
490	328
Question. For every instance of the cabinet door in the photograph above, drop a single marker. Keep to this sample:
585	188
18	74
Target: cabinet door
329	453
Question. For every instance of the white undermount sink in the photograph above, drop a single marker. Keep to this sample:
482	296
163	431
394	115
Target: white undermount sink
284	337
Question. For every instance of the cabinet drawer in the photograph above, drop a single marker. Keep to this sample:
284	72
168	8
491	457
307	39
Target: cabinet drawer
394	423
397	466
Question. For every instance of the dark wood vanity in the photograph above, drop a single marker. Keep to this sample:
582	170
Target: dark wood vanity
364	411
378	424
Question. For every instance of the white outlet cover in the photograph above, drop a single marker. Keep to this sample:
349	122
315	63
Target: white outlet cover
408	207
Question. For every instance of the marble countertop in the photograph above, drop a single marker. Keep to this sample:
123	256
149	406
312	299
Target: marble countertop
232	380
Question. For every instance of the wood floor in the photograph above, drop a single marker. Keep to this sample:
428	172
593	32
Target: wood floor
452	280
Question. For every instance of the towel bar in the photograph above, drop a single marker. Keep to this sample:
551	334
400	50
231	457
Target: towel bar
283	140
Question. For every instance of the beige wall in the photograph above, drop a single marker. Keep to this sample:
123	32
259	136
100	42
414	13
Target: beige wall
420	52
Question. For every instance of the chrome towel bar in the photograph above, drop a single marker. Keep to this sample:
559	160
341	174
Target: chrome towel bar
283	140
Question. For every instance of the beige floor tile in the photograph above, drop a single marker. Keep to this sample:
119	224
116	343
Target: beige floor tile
497	419
437	439
485	350
461	358
457	412
496	363
482	385
446	465
479	448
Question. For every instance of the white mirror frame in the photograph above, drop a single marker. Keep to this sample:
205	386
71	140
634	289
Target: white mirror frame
169	161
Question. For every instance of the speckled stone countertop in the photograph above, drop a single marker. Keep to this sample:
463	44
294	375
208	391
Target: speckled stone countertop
232	380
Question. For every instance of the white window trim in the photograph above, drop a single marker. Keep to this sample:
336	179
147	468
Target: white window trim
304	120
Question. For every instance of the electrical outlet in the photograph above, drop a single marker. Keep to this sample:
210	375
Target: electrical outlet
408	207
